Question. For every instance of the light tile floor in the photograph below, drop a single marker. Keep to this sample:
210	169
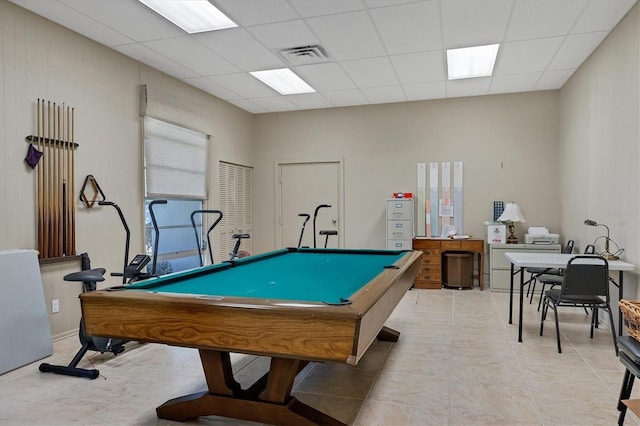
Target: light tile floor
457	362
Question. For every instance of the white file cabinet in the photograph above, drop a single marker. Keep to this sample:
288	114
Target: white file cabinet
500	267
399	224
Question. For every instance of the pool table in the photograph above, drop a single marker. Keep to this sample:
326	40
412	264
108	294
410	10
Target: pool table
293	305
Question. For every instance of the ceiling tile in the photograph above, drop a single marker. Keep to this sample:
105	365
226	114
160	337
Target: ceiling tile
422	91
284	34
551	80
371	72
520	57
468	24
244	85
513	83
155	60
239	47
419	67
602	15
383	95
308	8
310	101
191	54
409	28
127	17
385	3
322	77
214	88
348	35
342	98
70	18
575	49
274	103
468	87
246	12
248	105
544	18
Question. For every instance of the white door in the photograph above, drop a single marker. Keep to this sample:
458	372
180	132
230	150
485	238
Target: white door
302	188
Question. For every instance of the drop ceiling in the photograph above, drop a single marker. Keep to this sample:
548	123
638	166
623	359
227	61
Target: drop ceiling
362	51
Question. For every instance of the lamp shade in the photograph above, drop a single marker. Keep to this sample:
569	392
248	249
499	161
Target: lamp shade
511	213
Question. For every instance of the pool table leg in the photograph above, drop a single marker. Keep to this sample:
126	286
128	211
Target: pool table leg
387	334
269	400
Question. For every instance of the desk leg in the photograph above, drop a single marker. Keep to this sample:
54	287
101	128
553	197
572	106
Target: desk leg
620	297
480	268
273	405
511	297
521	303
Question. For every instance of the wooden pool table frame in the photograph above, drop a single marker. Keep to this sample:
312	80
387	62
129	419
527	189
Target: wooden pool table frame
292	333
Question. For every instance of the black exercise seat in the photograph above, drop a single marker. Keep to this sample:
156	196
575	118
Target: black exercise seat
88	277
96	274
326	234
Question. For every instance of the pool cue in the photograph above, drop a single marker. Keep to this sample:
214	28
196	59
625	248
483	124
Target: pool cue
65	184
58	182
73	185
64	217
47	182
61	180
64	181
54	185
38	179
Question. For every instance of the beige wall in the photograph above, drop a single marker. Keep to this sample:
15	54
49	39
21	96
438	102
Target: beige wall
508	145
600	145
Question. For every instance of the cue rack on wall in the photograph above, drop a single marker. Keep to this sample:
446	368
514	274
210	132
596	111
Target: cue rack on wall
54	140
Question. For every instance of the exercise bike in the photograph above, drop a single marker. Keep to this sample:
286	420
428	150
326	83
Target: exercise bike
132	271
237	253
89	278
326	233
200	242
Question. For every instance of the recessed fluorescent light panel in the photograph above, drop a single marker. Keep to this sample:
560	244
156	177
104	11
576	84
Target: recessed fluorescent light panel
284	81
470	62
193	16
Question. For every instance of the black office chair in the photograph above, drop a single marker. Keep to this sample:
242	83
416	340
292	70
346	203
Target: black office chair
585	285
555	279
537	272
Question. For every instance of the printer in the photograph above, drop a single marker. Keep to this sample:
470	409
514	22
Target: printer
540	235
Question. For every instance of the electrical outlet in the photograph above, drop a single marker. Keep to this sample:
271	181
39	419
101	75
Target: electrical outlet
55	306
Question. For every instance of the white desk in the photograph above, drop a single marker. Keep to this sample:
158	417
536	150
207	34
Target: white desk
554	260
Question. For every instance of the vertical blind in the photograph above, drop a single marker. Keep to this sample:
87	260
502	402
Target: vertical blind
176	160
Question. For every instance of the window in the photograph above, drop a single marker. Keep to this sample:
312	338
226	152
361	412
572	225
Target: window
177	246
176	164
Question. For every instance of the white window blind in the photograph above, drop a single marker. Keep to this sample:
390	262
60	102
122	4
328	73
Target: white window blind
176	160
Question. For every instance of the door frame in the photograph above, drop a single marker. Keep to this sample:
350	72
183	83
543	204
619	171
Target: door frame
278	201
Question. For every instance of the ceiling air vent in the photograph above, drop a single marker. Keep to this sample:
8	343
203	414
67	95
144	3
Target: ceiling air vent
302	55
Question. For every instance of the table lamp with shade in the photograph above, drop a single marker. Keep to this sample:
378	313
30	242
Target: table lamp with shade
511	215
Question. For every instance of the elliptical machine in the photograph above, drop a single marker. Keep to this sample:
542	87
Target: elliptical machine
132	271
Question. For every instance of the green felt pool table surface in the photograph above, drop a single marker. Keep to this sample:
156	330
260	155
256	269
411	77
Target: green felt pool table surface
312	275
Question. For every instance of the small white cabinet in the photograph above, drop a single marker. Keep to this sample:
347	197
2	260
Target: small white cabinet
500	267
399	223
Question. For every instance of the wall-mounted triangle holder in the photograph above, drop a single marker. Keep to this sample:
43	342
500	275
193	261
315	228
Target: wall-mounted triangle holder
91	184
